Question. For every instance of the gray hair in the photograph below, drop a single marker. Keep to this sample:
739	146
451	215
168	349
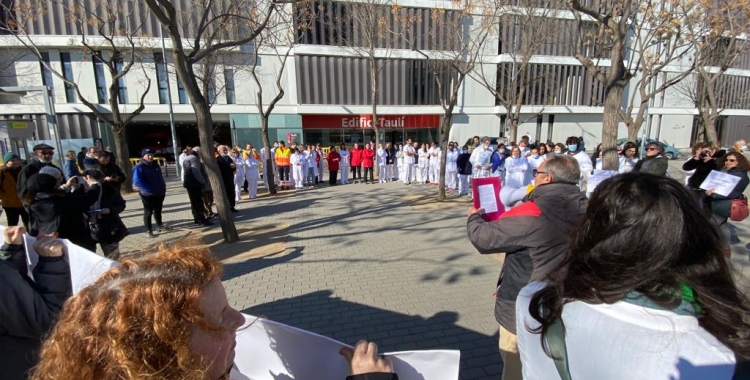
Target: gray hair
563	168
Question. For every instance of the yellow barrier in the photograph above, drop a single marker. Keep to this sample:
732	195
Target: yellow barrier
159	160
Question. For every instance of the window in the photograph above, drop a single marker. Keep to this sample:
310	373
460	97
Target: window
229	85
181	92
101	82
70	92
211	95
122	93
161	78
47	75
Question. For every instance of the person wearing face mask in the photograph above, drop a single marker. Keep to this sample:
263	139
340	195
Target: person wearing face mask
297	161
409	157
390	163
480	160
535	159
435	156
559	148
451	167
382	155
12	205
334	161
400	162
43	155
498	162
516	179
251	175
464	168
575	149
239	174
423	163
740	146
344	164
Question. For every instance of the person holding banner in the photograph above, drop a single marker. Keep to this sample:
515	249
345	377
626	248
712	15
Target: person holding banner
116	329
29	308
737	165
534	237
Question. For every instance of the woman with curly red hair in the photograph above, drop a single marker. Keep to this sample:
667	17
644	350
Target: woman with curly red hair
165	316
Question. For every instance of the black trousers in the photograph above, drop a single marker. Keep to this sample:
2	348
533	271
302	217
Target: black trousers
229	187
152	205
196	203
371	173
332	174
356	172
13	214
283	173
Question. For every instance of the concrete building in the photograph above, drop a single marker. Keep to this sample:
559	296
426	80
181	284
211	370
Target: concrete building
327	92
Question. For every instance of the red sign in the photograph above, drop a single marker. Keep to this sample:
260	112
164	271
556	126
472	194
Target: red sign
365	121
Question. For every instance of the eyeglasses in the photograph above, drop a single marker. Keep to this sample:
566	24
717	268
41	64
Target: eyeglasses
652	149
535	172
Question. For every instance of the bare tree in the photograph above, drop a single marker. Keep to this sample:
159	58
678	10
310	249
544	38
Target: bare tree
105	35
718	29
533	27
222	25
609	36
658	41
275	41
462	31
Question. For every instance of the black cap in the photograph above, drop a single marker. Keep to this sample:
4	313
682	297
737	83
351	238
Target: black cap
42	147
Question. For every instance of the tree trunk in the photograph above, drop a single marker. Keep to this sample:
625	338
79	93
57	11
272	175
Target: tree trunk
268	163
123	157
610	123
710	127
513	129
445	128
206	135
633	132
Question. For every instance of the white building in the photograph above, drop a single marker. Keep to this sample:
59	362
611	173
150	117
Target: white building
327	90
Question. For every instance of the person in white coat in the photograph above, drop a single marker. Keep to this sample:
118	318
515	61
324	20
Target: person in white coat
344	164
436	168
480	160
321	157
434	164
400	162
516	179
252	174
181	159
382	155
423	164
451	167
239	174
409	153
535	159
297	160
629	157
584	161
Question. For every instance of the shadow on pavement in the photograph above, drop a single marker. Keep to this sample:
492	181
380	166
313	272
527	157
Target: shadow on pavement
323	313
240	268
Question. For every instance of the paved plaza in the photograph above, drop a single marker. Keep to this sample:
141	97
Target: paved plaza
379	262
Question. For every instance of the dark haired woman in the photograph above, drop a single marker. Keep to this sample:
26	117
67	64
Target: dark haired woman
645	294
628	157
721	206
104	217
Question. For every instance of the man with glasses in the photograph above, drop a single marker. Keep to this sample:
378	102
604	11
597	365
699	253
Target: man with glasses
534	237
43	155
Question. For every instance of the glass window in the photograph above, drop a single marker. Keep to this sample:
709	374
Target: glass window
181	92
161	78
211	96
101	82
47	75
229	83
122	93
67	66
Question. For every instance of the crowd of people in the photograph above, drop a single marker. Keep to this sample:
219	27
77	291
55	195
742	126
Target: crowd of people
642	257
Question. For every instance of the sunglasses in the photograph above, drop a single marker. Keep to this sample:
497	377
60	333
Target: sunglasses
651	149
731	160
535	172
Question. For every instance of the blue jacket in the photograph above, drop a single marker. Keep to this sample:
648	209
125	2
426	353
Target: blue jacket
497	161
147	177
70	169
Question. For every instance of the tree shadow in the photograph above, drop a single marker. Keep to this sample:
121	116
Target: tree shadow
323	313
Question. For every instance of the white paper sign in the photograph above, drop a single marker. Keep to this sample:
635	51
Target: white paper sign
722	183
487	198
270	350
598	177
85	266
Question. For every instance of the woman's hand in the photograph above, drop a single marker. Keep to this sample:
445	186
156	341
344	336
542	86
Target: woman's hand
49	247
710	192
365	359
14	235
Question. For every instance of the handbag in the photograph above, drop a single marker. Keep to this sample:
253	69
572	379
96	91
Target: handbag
104	228
739	210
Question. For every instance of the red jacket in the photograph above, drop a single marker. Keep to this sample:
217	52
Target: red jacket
367	158
333	160
356	157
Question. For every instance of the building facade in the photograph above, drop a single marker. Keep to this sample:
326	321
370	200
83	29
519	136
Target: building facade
327	85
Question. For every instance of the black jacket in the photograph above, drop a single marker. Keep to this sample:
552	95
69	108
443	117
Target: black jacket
534	237
111	223
33	167
721	205
27	308
702	169
463	164
391	156
656	165
66	213
112	170
225	167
